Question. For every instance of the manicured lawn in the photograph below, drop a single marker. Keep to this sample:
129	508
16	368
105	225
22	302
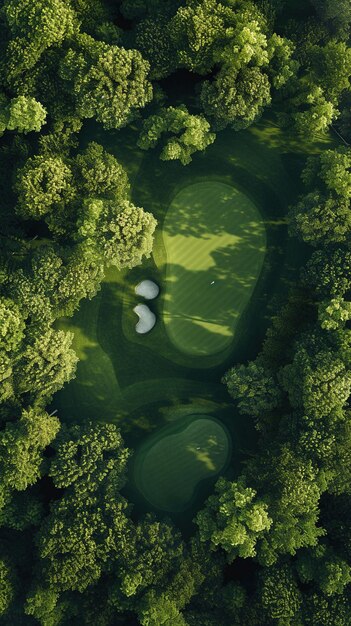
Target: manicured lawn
170	466
215	242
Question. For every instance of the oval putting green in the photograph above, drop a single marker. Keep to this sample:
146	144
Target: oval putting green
215	241
170	465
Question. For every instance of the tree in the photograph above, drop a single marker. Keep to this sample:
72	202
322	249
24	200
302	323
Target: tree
109	83
11	325
6	587
233	519
255	388
21	448
316	114
84	528
325	568
321	220
98	173
55	281
279	593
193	133
6	377
199	30
34	28
120	232
292	488
323	214
153	38
330	172
159	609
334	314
233	38
155	550
46	364
44	185
328	272
319	383
336	14
236	97
81	278
24	114
22	509
44	23
85	456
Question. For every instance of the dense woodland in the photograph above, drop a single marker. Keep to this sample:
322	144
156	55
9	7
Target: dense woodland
273	546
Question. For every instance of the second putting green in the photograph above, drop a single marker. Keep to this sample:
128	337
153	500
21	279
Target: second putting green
172	463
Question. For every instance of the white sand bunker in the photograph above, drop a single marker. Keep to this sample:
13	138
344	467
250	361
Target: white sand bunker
147	289
147	319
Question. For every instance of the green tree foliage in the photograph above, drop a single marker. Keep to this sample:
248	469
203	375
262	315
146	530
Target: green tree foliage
292	487
6	587
45	365
316	218
79	552
319	383
21	446
193	133
22	509
43	185
233	519
325	568
323	214
23	114
55	282
153	38
335	14
254	387
279	594
333	314
312	98
235	39
319	609
200	31
6	378
11	325
239	106
329	272
98	173
83	526
35	26
109	83
121	232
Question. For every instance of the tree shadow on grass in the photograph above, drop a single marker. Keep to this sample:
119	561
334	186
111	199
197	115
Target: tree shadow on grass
210	208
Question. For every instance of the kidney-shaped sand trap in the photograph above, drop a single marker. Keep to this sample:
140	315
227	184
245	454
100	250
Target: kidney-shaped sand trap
147	319
169	467
147	289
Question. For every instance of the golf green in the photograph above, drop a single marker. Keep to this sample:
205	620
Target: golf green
170	465
215	240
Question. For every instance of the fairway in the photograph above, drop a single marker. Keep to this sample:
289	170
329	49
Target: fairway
168	470
215	241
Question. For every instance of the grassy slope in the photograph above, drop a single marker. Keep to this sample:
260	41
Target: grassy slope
226	244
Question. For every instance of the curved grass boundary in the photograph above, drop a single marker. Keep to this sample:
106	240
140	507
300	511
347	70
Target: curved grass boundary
170	465
215	240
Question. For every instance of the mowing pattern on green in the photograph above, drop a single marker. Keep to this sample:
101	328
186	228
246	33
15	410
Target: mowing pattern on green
168	472
216	241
